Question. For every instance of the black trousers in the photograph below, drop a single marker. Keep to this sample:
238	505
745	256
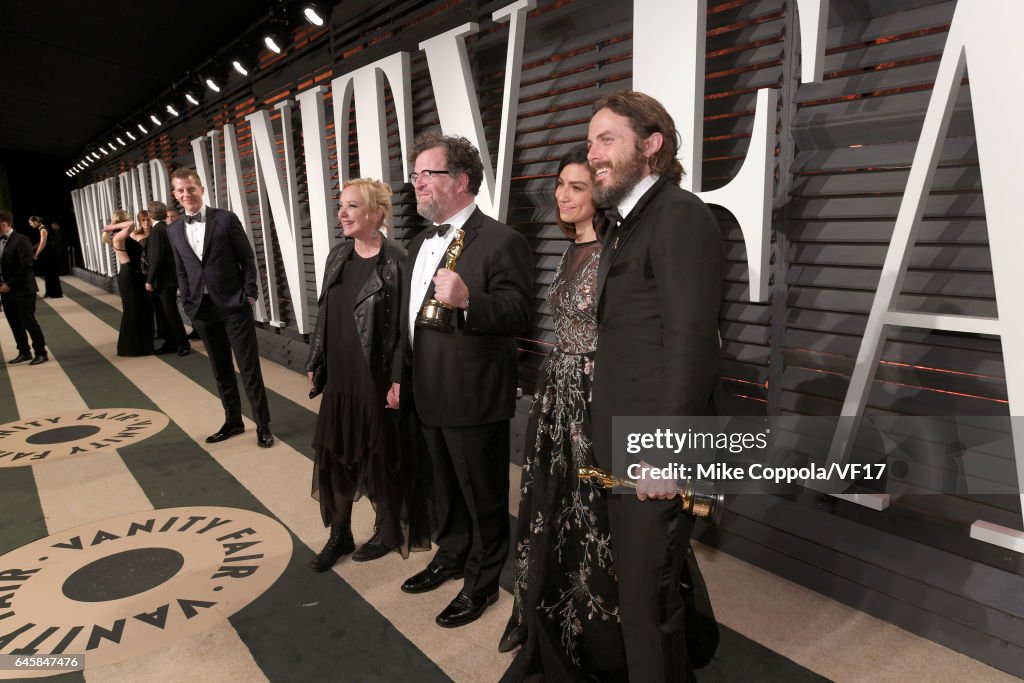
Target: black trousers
227	330
471	483
165	305
649	544
20	309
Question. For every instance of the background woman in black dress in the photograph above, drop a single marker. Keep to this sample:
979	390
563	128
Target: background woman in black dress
353	350
46	255
135	338
566	611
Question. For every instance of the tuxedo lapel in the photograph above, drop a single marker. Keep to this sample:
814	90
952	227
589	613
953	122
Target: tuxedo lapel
471	229
211	219
179	241
617	237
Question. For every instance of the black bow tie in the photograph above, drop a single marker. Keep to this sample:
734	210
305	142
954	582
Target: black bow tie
613	215
440	230
198	218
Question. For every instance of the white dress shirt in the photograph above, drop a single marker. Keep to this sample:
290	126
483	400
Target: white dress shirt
428	260
195	233
631	199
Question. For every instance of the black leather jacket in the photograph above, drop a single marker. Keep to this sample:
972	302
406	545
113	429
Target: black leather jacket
376	314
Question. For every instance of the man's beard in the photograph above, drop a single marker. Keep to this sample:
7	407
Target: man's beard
429	209
628	174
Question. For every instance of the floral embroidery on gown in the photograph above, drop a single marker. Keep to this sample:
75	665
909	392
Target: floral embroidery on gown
565	587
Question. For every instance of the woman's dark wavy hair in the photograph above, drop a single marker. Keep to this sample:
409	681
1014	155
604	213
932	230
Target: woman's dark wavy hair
578	155
647	116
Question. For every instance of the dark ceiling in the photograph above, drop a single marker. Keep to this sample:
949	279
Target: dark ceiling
71	70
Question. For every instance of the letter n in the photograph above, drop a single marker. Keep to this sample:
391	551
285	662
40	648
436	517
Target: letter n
282	196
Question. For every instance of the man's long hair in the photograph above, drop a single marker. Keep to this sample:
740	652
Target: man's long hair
647	116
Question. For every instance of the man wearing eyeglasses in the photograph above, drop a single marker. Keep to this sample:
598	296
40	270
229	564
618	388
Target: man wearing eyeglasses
462	383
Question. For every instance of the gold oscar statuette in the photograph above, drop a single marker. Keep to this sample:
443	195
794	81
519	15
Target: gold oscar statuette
434	314
707	504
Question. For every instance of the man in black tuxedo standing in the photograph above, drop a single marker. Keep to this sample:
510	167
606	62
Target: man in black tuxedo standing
462	383
216	271
18	291
659	293
162	282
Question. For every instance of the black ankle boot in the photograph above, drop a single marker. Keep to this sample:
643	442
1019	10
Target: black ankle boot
340	543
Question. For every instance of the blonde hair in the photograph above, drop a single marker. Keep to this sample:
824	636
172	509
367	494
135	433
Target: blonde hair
118	216
377	196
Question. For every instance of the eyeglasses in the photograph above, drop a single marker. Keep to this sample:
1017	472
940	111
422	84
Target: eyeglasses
426	174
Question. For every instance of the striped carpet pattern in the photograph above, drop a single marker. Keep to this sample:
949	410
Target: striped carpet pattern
353	623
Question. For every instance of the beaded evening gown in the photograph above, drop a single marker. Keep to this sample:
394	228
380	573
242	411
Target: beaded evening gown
566	591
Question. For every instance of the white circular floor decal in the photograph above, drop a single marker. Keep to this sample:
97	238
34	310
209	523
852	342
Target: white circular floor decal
132	584
52	437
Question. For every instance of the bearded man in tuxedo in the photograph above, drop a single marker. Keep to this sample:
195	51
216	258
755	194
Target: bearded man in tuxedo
462	382
659	293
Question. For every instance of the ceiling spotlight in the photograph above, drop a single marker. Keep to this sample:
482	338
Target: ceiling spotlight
120	141
272	44
154	119
192	98
105	152
143	129
129	134
240	67
313	14
171	110
111	146
277	34
211	83
95	156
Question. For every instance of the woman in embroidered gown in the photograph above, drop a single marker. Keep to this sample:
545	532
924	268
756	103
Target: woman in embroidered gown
135	337
566	613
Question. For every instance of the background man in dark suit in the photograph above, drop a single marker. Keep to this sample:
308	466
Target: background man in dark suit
217	279
162	282
462	383
659	293
18	291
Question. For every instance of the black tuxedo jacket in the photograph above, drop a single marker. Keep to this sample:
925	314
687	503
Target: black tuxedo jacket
468	377
162	272
659	293
227	270
16	264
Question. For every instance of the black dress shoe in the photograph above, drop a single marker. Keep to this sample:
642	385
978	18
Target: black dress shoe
340	543
430	578
41	358
20	358
264	437
464	610
184	349
371	550
164	350
226	431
